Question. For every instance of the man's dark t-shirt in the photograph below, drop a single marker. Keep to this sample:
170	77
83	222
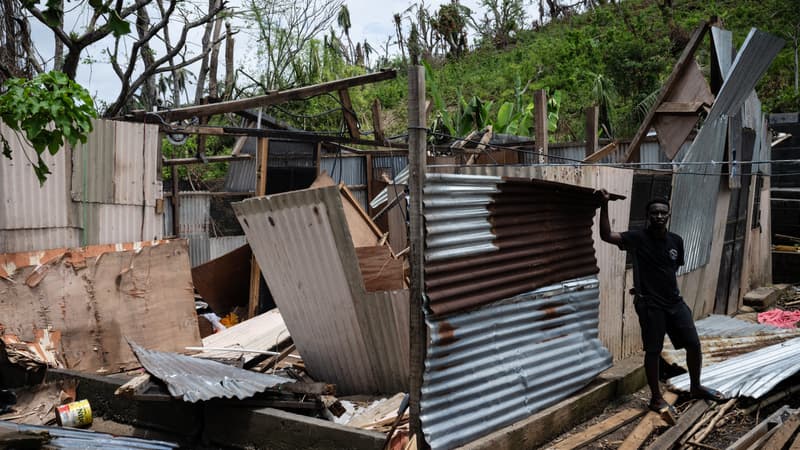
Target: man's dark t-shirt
655	262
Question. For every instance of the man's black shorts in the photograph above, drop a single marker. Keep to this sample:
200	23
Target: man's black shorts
657	320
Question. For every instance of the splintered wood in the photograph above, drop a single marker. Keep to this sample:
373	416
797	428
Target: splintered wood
98	297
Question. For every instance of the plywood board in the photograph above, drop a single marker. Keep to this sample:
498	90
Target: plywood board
223	282
98	302
363	231
262	332
381	271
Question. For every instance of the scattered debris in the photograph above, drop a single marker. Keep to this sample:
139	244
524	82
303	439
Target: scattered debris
195	379
32	436
263	332
43	351
780	318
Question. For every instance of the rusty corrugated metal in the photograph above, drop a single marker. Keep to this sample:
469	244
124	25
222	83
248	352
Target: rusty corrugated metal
491	367
196	379
306	255
723	337
26	204
490	238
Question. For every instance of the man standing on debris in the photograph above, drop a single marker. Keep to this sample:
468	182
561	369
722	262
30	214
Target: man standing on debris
657	255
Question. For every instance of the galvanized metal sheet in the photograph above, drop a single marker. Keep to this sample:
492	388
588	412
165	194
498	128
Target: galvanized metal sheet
196	379
383	196
73	438
301	243
135	163
15	241
752	60
695	188
241	176
25	203
222	245
723	46
350	170
111	224
752	374
723	337
195	213
199	248
491	367
490	238
93	164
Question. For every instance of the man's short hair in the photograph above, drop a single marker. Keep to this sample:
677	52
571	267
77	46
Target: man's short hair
654	201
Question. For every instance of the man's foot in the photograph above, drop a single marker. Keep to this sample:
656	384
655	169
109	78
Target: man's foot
704	393
667	411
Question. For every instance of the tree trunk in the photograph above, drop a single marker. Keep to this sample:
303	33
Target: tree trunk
229	71
201	76
214	62
58	56
149	96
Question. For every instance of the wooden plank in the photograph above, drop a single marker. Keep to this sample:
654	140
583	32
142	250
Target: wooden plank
208	159
277	358
377	124
176	203
261	189
268	99
600	429
645	428
600	154
592	129
417	158
784	434
262	332
381	271
349	114
396	218
667	440
144	295
135	386
685	58
540	124
679	107
363	230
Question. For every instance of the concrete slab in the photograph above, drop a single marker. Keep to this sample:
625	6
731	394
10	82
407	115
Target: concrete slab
764	297
625	377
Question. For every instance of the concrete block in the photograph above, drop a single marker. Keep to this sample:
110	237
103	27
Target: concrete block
764	297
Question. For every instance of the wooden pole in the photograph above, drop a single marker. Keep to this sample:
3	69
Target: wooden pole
540	110
176	203
261	189
592	125
417	136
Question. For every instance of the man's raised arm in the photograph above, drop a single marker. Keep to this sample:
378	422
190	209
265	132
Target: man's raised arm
606	234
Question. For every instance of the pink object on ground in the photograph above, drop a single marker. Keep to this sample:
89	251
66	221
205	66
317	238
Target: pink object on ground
779	318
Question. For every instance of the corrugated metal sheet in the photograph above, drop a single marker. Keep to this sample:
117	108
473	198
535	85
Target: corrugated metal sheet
750	375
723	337
222	245
196	379
695	188
26	204
723	45
73	438
301	243
490	238
350	170
199	248
383	196
15	241
135	161
195	212
111	224
241	176
395	163
752	60
93	165
494	366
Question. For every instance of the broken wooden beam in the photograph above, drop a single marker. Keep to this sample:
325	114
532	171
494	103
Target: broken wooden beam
646	426
667	440
600	429
134	387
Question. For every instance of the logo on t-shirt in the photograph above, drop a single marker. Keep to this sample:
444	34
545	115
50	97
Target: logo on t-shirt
673	254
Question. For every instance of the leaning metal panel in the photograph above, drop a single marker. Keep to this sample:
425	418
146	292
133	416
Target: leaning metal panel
494	366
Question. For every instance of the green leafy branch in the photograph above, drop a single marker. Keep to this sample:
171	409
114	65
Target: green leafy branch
50	109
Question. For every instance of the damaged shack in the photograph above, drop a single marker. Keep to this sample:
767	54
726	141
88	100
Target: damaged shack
330	321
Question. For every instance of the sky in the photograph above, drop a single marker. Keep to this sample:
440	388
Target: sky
370	19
